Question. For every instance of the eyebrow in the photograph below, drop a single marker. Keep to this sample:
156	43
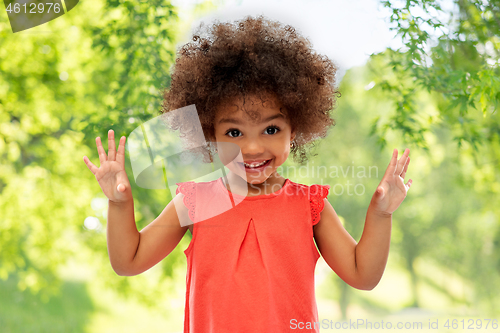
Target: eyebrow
236	121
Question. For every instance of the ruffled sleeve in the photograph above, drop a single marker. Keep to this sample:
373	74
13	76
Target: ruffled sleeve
317	194
189	191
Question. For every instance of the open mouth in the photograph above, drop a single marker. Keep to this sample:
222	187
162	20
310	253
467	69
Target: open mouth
255	166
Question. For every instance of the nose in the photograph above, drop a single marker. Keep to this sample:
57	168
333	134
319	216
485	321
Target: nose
252	148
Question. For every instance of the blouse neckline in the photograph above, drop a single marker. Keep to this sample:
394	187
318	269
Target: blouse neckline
255	197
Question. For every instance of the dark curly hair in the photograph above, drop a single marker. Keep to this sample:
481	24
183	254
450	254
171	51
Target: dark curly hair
255	56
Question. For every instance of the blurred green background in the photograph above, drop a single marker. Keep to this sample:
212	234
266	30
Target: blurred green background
102	66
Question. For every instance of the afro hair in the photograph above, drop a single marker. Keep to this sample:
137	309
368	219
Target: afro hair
255	56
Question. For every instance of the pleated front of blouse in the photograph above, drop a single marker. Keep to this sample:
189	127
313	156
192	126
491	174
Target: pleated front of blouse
250	266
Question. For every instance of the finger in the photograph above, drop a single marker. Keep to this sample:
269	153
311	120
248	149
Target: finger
120	157
380	192
408	184
403	174
402	162
90	165
392	164
111	146
100	150
121	188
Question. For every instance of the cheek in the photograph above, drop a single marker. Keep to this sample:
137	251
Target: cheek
282	150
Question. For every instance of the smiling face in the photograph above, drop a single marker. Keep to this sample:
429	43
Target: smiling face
263	136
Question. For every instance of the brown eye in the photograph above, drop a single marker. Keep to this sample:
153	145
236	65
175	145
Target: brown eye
272	130
233	133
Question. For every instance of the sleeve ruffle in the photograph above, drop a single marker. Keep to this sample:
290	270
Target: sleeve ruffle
317	194
189	191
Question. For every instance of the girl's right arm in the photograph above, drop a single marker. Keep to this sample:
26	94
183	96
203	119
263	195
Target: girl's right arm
132	252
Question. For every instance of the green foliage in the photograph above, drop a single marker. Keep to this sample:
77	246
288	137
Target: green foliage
455	58
24	312
448	218
137	40
102	67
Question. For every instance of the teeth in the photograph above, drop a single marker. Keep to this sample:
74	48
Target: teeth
255	165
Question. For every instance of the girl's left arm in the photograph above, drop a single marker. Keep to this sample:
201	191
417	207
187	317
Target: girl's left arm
362	264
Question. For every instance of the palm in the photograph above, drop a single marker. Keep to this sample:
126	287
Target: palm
111	174
392	188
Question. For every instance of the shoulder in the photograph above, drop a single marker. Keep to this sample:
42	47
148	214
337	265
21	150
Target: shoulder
191	187
314	194
193	194
313	191
185	187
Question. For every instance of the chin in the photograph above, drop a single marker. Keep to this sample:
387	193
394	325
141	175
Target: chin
260	179
256	181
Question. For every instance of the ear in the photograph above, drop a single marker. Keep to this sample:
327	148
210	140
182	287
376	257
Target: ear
292	136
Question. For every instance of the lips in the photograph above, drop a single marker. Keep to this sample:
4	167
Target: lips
255	163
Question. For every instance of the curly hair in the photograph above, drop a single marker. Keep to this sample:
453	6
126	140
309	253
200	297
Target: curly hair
255	56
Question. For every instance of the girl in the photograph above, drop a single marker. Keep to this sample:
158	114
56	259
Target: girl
258	86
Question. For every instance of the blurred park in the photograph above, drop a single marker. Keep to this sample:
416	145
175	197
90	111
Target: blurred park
103	65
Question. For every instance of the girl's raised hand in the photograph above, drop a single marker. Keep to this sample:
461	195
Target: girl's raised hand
392	190
111	174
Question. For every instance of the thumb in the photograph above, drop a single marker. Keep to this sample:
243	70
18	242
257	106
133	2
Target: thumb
121	187
380	192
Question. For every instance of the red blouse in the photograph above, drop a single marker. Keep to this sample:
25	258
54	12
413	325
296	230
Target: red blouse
250	266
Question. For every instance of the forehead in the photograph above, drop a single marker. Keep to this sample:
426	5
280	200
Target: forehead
252	108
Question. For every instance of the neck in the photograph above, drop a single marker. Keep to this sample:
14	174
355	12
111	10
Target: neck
238	186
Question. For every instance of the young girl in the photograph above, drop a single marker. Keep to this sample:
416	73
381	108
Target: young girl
257	86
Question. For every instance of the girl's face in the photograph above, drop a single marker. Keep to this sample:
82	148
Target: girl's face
264	142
